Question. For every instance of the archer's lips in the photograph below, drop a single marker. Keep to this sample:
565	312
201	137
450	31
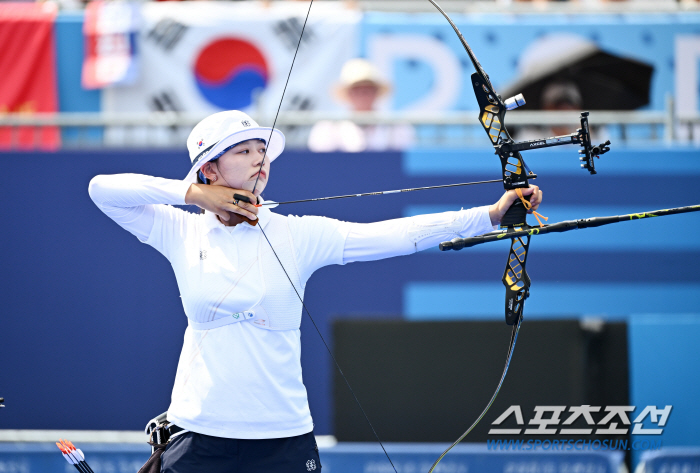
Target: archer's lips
261	173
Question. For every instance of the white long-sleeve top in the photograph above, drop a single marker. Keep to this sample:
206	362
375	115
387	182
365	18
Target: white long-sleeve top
239	373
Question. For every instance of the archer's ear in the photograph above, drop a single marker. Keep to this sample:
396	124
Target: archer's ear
209	171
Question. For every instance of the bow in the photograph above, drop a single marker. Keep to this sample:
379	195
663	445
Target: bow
515	175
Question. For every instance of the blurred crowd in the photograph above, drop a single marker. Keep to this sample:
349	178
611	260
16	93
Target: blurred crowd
72	4
360	87
552	72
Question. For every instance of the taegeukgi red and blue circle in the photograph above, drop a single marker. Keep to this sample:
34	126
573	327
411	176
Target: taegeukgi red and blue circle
228	71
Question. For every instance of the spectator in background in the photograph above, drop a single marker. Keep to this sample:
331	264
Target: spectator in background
360	87
561	96
557	96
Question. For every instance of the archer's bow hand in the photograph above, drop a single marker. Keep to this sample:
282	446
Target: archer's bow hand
499	209
221	201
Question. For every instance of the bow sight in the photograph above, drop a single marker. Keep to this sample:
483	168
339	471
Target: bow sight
493	122
582	136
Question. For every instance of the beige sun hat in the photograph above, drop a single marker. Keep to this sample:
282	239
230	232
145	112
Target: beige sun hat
218	132
356	71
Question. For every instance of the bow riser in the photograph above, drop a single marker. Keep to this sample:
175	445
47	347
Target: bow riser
492	114
516	279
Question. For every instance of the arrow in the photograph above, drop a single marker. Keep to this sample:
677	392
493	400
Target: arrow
272	204
74	456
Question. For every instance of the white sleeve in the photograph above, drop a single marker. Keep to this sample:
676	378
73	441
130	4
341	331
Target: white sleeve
402	236
318	242
132	200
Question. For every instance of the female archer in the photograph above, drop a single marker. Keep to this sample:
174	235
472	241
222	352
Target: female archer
239	402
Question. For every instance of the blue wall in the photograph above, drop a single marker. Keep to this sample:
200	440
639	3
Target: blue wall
92	322
663	371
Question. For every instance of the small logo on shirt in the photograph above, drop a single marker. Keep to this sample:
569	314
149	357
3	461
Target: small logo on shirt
202	254
311	465
236	316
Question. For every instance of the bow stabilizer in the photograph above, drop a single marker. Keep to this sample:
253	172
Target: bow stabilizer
560	227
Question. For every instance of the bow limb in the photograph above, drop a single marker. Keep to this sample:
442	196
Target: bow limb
509	356
472	56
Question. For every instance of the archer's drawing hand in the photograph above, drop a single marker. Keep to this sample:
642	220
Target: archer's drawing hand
220	200
499	209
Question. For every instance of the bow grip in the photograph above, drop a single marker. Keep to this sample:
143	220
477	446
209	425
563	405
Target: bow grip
516	215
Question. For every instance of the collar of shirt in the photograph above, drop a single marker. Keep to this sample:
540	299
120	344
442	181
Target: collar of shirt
211	221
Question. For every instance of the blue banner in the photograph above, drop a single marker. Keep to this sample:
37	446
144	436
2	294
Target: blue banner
430	69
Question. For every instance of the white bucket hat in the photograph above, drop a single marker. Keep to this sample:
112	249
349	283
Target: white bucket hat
211	137
356	71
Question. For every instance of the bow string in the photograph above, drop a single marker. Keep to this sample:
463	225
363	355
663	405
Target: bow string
347	383
515	175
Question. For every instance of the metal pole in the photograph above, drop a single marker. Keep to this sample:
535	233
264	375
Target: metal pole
669	119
